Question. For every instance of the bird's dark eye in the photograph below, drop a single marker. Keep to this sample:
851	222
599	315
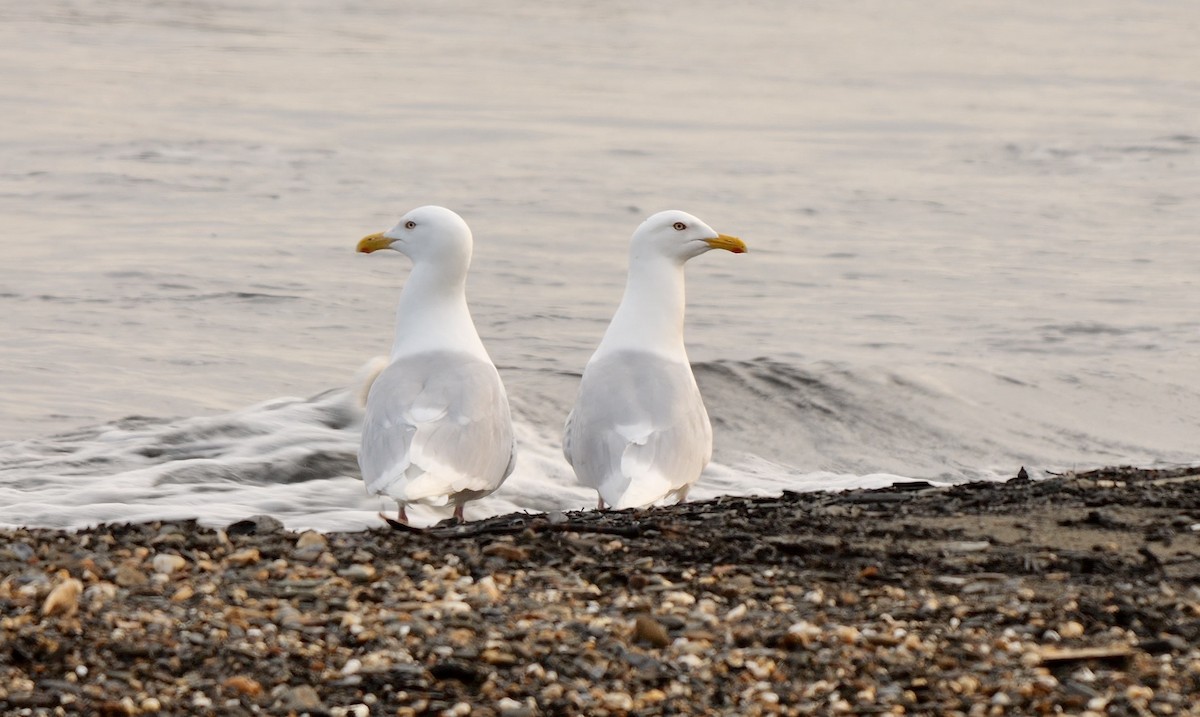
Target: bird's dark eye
410	224
680	226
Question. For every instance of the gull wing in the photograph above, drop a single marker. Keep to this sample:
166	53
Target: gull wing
639	430
437	424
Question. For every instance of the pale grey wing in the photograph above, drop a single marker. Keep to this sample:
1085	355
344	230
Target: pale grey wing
568	435
436	424
639	429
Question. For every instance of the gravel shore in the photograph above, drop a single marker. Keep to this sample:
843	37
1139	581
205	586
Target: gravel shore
1078	594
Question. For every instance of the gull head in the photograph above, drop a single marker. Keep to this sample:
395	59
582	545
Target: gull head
428	233
680	236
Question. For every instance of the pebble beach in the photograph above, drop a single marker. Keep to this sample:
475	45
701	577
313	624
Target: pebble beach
1079	594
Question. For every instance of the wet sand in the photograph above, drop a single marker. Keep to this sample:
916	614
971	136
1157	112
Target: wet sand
1078	594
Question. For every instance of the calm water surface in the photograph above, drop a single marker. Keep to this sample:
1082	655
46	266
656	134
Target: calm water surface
973	231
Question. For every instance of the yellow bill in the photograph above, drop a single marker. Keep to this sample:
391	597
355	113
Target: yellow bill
373	242
723	241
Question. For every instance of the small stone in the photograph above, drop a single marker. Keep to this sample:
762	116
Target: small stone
112	708
679	597
245	557
310	539
508	707
243	685
1070	630
255	525
63	599
310	545
847	634
488	588
20	551
151	705
647	629
508	551
183	594
130	575
966	546
358	573
618	701
300	699
499	658
288	616
652	697
98	594
167	563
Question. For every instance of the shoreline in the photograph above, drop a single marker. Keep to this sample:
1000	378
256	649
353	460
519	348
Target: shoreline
1079	593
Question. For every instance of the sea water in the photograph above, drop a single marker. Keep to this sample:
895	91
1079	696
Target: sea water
972	227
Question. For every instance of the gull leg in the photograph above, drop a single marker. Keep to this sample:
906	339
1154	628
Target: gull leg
458	513
600	504
402	514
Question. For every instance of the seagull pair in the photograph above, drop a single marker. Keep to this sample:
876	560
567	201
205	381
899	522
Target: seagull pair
437	428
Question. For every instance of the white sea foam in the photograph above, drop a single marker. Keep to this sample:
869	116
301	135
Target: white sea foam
778	428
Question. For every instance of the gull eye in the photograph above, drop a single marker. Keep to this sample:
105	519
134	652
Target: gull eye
680	226
410	224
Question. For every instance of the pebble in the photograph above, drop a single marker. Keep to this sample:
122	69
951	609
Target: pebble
302	698
358	573
486	586
245	557
167	563
130	575
508	551
966	546
243	685
311	539
736	613
256	525
1070	630
508	707
440	621
309	546
648	630
63	599
20	551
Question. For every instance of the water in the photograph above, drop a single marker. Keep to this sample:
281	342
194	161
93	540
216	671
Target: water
972	231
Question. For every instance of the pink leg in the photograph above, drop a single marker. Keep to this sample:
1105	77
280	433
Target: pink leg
600	504
402	515
458	513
